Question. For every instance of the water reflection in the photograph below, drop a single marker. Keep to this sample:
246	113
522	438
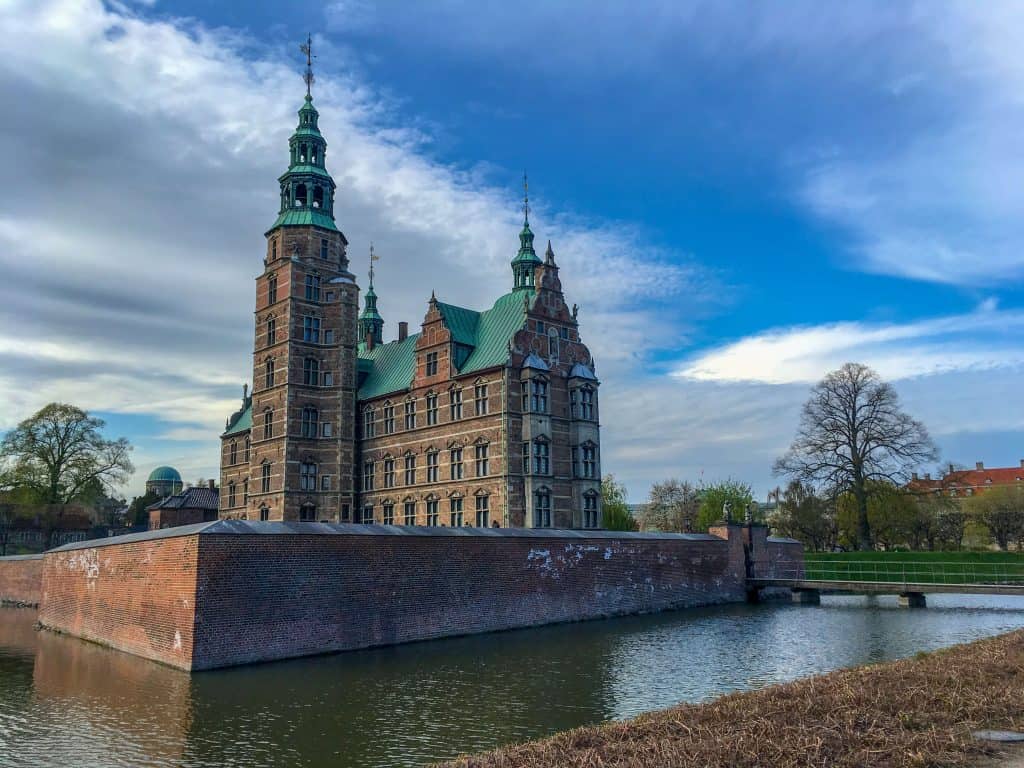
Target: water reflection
67	702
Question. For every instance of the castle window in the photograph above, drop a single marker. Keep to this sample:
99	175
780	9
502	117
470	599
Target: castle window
323	255
539	396
410	469
367	518
455	504
431	363
389	513
480	399
587	403
563	332
312	155
307	512
574	397
482	461
526	458
553	344
326	429
542	509
272	284
455	460
231	494
368	469
310	422
268	374
311	371
389	473
248	446
541	457
590	510
325	482
273	248
311	329
540	326
245	491
271	330
589	452
431	409
483	511
455	397
328	379
268	424
318	197
300	195
432	512
431	466
409	510
369	423
389	419
312	287
329	295
302	153
307	476
233	453
264	513
265	477
410	414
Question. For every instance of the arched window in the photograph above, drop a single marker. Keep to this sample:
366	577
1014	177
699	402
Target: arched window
264	512
272	285
310	419
307	475
300	195
268	424
265	477
233	452
268	374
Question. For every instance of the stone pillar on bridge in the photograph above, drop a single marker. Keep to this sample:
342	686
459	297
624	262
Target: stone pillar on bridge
912	600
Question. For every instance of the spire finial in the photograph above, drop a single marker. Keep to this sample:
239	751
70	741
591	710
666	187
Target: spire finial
307	48
373	257
526	199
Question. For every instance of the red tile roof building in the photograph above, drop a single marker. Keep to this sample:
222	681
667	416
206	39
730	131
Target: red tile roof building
968	482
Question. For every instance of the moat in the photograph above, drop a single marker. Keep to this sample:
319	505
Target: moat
64	702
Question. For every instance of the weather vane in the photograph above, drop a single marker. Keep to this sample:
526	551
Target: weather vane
373	257
526	198
307	48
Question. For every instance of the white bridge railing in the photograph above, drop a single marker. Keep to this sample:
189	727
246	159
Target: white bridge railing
900	572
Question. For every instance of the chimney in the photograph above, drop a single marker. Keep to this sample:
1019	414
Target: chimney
951	469
927	475
979	465
369	341
1022	463
403	334
213	484
913	475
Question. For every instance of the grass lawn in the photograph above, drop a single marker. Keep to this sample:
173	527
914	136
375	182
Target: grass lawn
924	567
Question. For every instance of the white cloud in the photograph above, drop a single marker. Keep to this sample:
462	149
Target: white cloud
984	339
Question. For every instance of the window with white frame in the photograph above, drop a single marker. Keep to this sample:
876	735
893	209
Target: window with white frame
307	476
311	329
455	396
389	473
368	469
589	455
410	414
541	457
480	399
482	460
312	287
388	513
389	419
542	509
590	510
455	461
410	469
431	366
409	512
431	409
432	466
268	424
432	513
310	421
483	511
455	507
311	372
265	477
369	423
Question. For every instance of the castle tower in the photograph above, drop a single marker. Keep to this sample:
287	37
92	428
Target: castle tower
371	324
525	263
302	454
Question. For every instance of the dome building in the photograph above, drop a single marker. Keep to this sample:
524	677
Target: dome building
164	481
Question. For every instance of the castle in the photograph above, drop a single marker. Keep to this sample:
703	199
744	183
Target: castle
483	418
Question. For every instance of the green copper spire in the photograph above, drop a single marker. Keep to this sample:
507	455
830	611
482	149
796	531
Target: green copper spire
370	322
307	189
526	260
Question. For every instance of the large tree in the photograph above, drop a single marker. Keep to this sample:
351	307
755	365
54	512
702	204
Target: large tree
853	432
59	455
805	515
1001	510
671	506
614	508
713	498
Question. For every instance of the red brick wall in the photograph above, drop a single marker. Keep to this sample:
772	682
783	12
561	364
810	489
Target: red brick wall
21	579
137	596
276	596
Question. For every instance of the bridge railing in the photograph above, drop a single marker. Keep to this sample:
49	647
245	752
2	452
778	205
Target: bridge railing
902	571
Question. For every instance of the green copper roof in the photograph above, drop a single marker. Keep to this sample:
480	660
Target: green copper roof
526	252
242	424
297	217
164	474
304	168
390	367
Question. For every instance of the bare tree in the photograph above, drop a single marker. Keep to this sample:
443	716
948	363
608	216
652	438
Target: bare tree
852	432
672	506
59	454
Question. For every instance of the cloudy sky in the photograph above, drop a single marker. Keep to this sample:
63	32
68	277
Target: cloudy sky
742	196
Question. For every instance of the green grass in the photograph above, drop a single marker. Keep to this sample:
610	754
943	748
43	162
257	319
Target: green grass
922	567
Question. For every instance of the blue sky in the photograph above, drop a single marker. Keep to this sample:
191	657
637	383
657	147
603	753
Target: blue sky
742	197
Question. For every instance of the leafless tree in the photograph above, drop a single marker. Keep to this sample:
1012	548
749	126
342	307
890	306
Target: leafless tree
853	433
672	506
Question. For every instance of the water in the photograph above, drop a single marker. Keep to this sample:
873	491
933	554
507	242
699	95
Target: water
67	703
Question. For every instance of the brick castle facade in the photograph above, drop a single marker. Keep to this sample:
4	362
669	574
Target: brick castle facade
482	418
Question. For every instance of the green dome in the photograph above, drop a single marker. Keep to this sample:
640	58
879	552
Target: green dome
164	475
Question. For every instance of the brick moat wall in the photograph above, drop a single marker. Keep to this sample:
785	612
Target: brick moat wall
233	592
21	579
137	596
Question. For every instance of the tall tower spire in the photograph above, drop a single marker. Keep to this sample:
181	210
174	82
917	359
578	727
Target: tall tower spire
307	189
526	261
371	324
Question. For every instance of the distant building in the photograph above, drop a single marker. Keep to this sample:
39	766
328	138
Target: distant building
968	482
164	481
193	505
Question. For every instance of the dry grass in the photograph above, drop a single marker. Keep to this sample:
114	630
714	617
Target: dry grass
915	712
